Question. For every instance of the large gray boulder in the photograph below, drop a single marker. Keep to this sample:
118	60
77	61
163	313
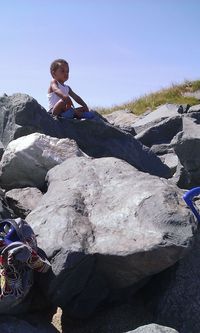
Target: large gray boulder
132	224
195	94
171	160
162	149
151	119
21	115
194	108
162	132
124	119
174	295
187	147
26	160
23	200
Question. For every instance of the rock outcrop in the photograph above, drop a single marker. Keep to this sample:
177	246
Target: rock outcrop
21	115
23	200
131	235
123	119
174	294
117	232
26	160
187	147
153	118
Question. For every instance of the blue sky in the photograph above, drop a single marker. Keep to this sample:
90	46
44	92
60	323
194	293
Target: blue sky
117	50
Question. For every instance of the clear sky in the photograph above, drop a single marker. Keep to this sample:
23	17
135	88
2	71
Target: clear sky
117	49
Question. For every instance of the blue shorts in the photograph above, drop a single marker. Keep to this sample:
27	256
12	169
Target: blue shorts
68	114
87	115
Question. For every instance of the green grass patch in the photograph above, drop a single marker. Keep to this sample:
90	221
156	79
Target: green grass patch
173	94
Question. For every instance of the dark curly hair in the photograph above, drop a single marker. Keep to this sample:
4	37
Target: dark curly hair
56	64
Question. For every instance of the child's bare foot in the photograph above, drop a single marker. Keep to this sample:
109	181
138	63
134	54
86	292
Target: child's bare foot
79	112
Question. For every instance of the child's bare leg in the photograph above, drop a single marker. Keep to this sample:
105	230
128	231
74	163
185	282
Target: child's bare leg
59	107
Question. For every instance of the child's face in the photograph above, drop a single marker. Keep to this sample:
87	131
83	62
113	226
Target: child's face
62	73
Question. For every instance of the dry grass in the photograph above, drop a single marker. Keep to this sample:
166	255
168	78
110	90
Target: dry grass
173	94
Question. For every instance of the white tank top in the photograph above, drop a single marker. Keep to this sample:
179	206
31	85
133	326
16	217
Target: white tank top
53	98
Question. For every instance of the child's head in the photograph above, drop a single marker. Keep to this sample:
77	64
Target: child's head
60	70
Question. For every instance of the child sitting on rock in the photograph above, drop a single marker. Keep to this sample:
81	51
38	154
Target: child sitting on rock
60	103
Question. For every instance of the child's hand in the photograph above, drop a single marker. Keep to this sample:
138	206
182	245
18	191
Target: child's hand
65	98
79	111
69	103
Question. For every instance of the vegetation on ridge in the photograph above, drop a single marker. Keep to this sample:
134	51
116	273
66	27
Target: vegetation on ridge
173	94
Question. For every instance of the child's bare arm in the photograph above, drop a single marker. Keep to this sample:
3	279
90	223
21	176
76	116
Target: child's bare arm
78	99
54	88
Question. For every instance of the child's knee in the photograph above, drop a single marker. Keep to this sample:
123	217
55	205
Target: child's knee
58	107
68	114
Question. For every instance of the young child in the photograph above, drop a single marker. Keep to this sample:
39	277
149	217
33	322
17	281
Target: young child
60	103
